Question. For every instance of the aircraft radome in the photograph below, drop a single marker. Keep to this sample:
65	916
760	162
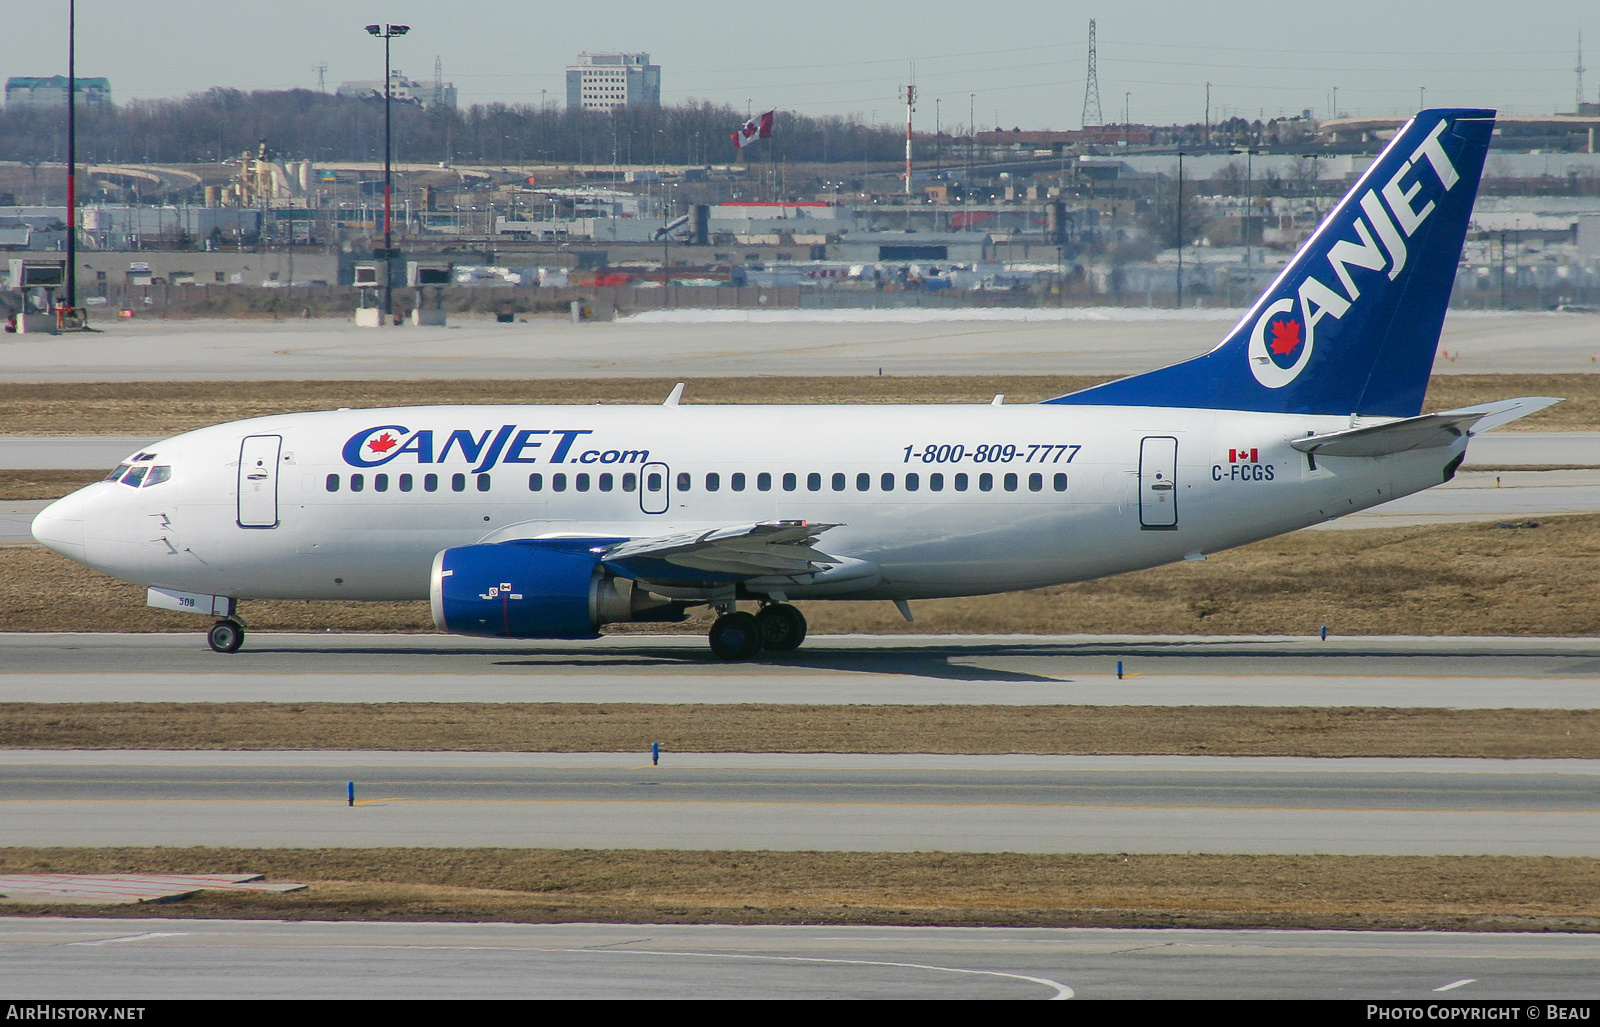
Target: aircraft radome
544	522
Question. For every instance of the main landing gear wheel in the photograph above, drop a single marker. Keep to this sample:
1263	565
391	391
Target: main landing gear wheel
225	636
735	636
782	626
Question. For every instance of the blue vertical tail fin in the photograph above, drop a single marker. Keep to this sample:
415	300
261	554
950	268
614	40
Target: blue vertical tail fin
1352	323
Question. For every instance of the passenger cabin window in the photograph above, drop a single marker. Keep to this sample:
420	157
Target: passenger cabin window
581	482
332	484
936	482
814	482
913	481
430	483
157	475
535	482
713	481
630	482
607	482
558	483
458	483
405	483
380	483
483	483
887	483
764	482
357	483
1035	482
961	483
1010	482
789	482
683	481
985	482
736	481
838	482
1061	483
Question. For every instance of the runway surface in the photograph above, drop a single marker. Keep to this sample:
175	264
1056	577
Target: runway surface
806	802
68	452
1087	341
1533	448
1460	673
1486	496
179	959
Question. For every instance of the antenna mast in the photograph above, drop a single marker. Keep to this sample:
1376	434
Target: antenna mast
911	103
1091	88
322	71
1579	69
438	80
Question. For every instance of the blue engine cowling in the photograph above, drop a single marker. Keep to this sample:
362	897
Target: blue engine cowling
544	588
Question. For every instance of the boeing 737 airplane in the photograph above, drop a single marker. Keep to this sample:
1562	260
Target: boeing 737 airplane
549	522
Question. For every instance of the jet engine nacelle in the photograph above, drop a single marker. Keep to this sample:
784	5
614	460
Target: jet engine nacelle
542	589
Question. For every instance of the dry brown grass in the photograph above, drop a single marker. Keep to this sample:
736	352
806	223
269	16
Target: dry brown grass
165	408
1448	579
761	727
1000	889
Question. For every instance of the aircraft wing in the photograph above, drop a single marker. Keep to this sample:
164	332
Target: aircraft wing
741	551
1422	432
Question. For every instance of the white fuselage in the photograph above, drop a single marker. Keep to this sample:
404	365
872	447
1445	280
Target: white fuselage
1142	486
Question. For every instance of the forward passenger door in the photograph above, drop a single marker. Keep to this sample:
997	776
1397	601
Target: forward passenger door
1158	483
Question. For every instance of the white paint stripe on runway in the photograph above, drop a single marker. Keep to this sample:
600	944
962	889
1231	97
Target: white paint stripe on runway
1062	991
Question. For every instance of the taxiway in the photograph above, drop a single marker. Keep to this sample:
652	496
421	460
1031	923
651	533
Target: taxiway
805	802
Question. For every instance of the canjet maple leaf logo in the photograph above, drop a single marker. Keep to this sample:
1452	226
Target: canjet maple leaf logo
1285	337
385	442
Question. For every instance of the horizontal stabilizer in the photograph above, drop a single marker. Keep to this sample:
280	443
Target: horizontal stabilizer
1423	432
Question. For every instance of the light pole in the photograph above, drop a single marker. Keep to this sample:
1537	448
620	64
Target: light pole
1180	230
1249	153
386	33
72	159
972	141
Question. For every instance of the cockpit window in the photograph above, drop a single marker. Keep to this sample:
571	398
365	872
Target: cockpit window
158	474
117	472
134	477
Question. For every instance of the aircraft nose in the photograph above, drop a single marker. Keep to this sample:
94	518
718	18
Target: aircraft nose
59	526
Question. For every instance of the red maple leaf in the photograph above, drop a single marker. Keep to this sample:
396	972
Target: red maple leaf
383	443
1285	337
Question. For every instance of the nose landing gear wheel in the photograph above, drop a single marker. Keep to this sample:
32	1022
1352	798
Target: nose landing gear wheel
782	626
735	636
225	636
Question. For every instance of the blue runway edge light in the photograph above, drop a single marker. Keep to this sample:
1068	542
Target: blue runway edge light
350	792
655	754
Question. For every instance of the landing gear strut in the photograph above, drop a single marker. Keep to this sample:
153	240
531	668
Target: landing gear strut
225	636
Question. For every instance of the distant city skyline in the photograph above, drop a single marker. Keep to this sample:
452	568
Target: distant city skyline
1020	63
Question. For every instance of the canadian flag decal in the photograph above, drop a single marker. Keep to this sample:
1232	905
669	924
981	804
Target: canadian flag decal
1243	456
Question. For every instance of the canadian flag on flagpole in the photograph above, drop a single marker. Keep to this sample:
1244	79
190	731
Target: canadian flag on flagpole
758	127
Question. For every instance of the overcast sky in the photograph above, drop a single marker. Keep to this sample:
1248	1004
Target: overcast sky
1024	59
